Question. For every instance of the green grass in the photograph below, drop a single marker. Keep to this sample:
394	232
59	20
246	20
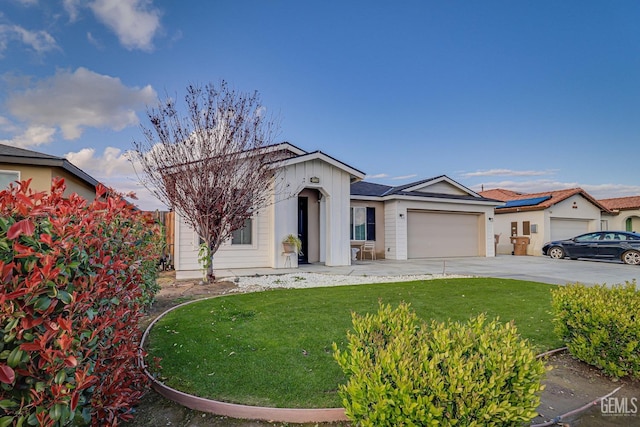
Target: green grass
274	348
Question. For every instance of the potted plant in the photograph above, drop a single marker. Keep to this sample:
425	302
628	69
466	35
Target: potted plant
292	244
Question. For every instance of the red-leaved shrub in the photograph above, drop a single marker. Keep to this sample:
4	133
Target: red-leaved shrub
76	278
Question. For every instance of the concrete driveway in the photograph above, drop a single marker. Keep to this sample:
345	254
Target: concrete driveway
534	268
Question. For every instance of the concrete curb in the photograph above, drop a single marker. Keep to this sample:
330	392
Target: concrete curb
284	415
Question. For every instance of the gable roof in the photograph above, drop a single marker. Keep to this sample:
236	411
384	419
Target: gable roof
416	190
621	203
356	174
20	156
539	201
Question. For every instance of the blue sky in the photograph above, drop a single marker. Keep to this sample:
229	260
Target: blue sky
525	95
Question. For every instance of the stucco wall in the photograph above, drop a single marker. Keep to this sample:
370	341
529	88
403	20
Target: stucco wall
583	210
619	221
502	226
42	176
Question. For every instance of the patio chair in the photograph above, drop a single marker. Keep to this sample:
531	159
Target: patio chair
368	247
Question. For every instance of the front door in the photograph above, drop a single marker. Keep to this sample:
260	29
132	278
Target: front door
303	228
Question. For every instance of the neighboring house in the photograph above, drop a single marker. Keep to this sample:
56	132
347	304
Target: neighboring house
625	213
316	207
545	216
435	217
17	164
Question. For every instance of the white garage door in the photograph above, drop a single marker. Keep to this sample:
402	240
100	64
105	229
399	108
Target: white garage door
441	234
566	228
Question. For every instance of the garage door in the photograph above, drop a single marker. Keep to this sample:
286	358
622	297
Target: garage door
441	234
566	228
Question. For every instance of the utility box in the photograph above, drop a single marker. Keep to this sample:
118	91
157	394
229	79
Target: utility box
520	244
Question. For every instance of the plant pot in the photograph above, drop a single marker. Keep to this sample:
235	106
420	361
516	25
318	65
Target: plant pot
289	248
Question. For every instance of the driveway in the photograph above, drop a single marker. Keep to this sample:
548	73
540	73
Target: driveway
534	268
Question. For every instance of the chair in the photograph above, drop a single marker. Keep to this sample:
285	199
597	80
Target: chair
368	247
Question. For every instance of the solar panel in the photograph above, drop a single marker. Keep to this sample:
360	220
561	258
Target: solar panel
524	202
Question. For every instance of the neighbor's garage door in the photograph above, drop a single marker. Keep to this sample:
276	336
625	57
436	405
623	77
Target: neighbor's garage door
441	234
566	228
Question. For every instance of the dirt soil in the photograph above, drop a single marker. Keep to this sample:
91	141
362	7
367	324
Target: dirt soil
569	384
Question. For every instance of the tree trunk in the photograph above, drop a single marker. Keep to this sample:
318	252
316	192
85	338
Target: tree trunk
210	275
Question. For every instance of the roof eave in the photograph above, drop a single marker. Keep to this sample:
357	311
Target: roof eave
483	202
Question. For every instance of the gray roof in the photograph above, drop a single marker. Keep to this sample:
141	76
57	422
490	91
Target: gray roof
15	155
370	189
364	188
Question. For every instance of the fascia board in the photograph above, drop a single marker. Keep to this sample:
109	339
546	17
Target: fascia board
441	200
440	179
327	159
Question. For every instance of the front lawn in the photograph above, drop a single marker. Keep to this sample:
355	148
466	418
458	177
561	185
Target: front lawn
274	348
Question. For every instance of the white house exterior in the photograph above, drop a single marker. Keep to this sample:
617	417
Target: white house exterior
624	215
312	202
542	217
435	217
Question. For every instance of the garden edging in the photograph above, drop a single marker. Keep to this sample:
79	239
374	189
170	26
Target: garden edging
285	415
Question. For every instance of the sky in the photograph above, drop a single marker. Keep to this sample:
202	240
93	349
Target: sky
525	95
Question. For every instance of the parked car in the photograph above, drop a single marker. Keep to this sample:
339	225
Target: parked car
622	245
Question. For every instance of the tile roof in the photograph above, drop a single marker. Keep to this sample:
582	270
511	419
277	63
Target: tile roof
622	203
545	202
499	194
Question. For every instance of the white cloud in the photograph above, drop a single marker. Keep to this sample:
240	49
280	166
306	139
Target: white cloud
71	7
31	137
134	21
404	177
40	41
506	172
112	162
113	168
91	39
73	101
377	176
607	191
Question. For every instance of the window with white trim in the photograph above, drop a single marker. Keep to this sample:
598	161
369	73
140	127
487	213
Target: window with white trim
242	236
7	177
363	223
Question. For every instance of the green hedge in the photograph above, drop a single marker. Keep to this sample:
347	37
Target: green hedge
601	325
404	372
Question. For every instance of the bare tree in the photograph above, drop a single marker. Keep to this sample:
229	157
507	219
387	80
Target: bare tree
211	165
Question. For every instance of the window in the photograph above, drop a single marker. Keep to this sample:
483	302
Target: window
7	177
363	223
242	236
526	228
589	237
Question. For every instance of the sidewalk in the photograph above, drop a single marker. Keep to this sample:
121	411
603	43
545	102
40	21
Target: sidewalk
539	269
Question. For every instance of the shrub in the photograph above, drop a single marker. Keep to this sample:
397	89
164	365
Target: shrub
75	280
402	372
601	325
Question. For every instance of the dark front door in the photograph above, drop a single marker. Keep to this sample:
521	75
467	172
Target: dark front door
303	228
